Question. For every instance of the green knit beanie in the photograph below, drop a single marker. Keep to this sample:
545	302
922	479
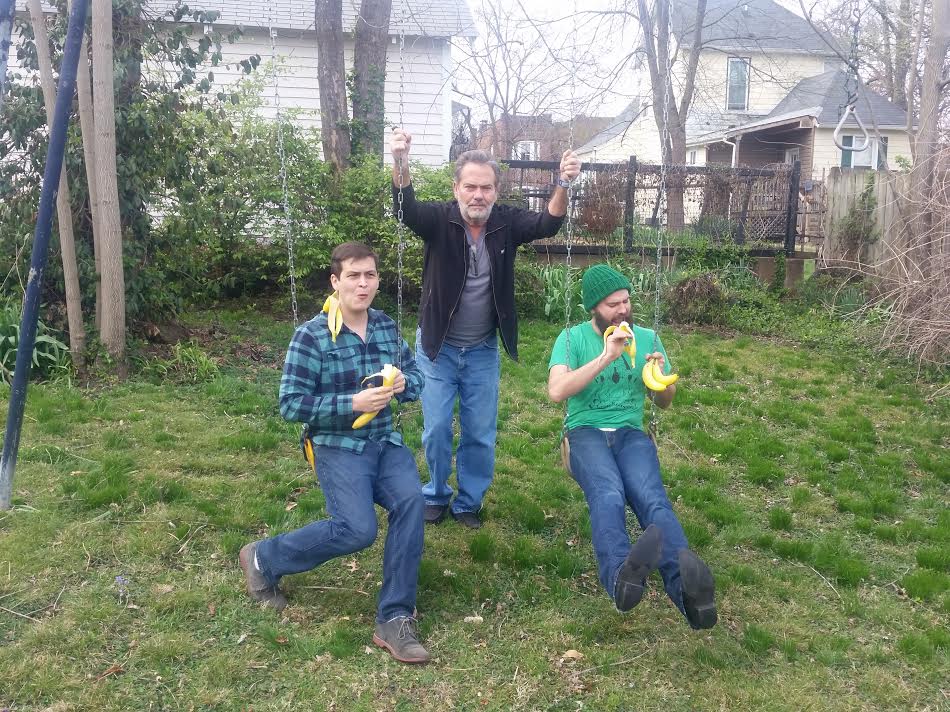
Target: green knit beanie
599	281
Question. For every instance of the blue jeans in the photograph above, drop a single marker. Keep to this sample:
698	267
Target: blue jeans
470	374
615	469
385	474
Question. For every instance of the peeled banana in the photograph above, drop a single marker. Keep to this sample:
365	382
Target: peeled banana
654	378
631	345
388	375
334	312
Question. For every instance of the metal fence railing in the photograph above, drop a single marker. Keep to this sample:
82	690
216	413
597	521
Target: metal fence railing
618	204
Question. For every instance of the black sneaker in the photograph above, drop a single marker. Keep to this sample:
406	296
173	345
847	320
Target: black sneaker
435	513
469	519
699	591
257	586
400	638
644	556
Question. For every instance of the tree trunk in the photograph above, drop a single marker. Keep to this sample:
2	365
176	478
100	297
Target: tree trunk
113	277
932	83
64	214
6	32
369	78
331	77
912	78
87	124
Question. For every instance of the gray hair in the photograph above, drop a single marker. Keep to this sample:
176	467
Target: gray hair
480	157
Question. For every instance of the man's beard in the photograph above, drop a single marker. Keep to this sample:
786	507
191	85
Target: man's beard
472	220
602	323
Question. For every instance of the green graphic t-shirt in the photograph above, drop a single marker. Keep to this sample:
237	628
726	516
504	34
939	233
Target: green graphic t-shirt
614	399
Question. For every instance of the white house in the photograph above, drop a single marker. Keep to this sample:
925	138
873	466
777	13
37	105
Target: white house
425	71
769	89
427	27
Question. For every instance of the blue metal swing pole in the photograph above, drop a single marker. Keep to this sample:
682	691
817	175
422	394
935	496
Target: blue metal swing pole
44	225
6	32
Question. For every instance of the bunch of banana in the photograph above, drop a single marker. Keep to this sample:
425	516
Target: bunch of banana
631	346
388	375
334	312
653	377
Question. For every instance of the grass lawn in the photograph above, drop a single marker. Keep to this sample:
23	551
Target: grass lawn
815	485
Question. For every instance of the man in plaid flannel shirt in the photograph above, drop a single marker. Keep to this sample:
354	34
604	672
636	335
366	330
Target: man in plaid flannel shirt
322	387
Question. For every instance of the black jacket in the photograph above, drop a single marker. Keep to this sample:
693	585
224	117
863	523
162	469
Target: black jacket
444	265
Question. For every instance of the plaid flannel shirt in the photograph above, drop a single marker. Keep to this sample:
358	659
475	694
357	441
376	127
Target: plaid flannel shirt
321	377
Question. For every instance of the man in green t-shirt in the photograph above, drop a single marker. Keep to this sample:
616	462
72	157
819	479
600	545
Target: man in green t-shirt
614	461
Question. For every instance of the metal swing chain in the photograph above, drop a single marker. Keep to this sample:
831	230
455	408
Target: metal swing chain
568	241
853	60
851	100
662	212
288	235
400	221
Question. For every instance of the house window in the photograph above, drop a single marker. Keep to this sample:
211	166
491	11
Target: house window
873	155
525	151
737	84
792	155
691	158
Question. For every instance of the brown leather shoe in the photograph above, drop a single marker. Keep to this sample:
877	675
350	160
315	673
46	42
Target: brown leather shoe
400	637
257	586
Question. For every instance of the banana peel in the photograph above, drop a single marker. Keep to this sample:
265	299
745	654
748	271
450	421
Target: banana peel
388	374
631	346
334	312
308	453
654	378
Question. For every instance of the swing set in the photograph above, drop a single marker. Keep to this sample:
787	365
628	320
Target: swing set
67	81
652	378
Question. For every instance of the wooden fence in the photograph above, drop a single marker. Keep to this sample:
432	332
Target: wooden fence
869	232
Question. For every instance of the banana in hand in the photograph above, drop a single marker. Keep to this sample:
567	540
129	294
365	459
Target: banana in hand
631	345
654	378
388	375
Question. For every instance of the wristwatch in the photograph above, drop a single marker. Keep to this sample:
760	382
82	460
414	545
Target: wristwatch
566	184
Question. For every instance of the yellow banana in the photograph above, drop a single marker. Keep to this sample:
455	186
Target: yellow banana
631	346
308	453
660	377
331	307
648	380
388	374
653	377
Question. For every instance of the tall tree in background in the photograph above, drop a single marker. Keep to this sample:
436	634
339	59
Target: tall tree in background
331	76
6	31
517	67
363	135
112	330
64	215
87	125
369	78
671	120
934	85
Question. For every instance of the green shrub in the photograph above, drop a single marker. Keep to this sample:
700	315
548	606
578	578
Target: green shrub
697	300
188	363
50	355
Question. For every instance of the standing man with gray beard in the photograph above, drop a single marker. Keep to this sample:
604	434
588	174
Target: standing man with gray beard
468	297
